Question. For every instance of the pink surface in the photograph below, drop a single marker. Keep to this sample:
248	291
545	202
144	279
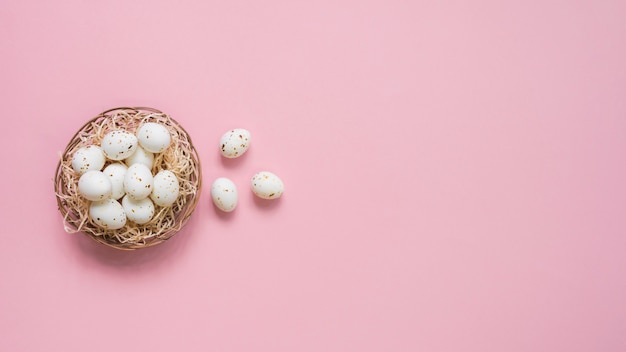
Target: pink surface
455	175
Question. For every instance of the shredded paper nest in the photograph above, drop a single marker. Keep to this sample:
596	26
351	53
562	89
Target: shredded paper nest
180	158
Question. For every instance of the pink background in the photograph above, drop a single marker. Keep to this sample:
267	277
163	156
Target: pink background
455	175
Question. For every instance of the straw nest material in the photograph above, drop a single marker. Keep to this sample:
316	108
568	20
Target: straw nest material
180	158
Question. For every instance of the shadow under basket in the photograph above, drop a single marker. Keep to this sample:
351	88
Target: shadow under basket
180	158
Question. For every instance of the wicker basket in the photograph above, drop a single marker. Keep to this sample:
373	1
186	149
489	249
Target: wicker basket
181	158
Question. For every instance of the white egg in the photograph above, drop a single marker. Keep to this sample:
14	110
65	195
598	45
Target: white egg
138	181
166	188
116	172
87	159
94	185
108	214
138	211
266	185
119	144
234	143
154	137
141	156
224	194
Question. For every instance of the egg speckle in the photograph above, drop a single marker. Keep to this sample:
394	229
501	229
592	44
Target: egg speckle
108	214
87	159
166	188
267	185
140	156
154	137
116	172
138	211
94	185
235	143
119	144
224	194
138	181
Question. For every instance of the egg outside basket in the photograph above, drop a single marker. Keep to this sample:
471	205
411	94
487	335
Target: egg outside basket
180	158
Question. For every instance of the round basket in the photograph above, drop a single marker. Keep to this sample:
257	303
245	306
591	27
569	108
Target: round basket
180	158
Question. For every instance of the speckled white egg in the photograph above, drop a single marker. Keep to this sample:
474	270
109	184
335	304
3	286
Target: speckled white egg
87	159
267	185
154	137
119	144
234	143
138	181
224	194
116	172
141	156
166	188
138	211
94	185
108	214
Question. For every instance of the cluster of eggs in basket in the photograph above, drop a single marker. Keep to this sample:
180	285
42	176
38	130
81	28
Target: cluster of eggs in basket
126	189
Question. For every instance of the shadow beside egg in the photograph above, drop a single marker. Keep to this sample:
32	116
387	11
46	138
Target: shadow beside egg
222	215
231	163
266	204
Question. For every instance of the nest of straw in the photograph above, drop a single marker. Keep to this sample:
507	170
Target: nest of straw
180	158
